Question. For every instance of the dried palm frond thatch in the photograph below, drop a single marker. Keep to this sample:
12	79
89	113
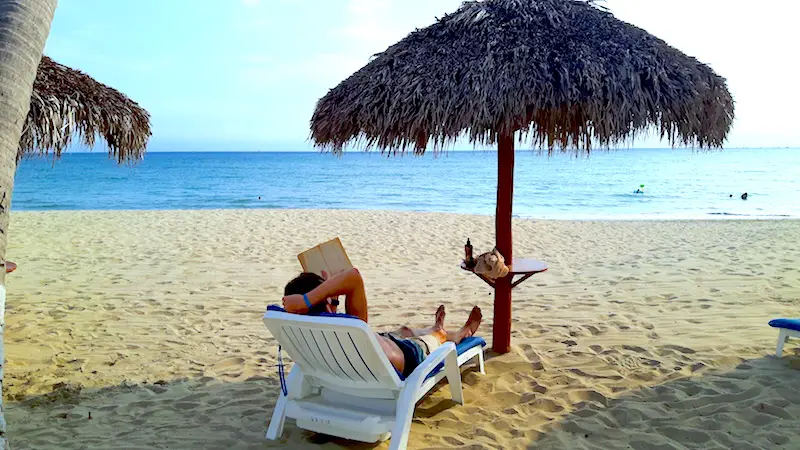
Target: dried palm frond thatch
565	72
66	102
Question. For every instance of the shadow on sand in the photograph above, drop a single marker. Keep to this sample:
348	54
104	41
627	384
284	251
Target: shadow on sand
200	413
181	414
753	406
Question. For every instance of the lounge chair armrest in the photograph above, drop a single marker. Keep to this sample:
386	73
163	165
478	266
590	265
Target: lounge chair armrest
421	372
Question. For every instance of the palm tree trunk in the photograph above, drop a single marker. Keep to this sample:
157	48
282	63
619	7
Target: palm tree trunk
24	26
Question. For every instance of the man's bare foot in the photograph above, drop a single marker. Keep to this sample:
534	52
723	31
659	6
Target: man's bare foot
439	322
469	329
473	322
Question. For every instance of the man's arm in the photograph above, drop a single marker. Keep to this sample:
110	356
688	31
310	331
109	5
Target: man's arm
348	283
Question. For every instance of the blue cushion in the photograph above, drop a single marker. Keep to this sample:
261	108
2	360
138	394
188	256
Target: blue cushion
276	308
463	346
789	324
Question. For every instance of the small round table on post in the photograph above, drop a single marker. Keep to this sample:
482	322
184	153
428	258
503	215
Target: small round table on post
521	266
525	268
10	267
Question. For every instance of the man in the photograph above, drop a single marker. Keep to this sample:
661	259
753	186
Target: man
406	348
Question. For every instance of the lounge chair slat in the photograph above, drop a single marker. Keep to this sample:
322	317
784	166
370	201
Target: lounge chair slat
307	356
327	353
342	362
349	361
291	344
360	358
316	350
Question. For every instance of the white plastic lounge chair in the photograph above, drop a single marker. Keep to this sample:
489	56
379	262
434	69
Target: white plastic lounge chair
342	384
788	328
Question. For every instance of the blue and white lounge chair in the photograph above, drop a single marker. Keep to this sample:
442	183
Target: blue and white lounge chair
788	328
342	384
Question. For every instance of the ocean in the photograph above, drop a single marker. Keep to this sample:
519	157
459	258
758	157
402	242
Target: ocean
678	184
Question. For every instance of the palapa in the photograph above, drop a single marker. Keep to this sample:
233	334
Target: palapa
565	74
67	103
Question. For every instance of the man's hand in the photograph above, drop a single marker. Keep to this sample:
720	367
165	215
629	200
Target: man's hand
330	307
326	276
294	304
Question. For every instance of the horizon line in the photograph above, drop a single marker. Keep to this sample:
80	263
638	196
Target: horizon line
377	151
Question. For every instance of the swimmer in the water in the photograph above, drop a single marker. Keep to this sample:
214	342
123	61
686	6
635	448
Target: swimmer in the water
744	196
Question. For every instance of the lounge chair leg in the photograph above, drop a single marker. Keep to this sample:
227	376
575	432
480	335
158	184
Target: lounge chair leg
403	416
454	377
480	362
275	429
781	340
296	386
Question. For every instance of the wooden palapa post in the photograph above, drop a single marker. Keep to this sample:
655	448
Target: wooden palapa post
501	334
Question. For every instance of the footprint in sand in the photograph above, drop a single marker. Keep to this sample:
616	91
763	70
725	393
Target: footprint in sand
546	404
679	349
766	408
634	348
538	388
587	395
453	441
229	364
581	373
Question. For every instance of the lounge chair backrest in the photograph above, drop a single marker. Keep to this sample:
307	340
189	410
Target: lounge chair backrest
342	354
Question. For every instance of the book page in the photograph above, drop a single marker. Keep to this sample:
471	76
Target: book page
329	256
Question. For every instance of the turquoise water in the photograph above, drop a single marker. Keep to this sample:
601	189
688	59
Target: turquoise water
678	183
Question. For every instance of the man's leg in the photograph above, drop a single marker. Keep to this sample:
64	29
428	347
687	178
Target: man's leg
469	328
437	331
438	324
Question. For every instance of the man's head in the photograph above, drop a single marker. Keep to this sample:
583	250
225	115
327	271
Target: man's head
303	284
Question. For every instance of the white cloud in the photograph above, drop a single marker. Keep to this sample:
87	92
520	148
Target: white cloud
367	20
374	25
367	27
751	46
320	70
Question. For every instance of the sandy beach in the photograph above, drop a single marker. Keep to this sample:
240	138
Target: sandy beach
641	334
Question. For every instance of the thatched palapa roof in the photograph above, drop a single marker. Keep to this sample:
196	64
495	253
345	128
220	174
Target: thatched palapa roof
565	72
66	102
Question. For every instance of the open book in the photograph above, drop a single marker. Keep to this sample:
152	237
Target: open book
328	256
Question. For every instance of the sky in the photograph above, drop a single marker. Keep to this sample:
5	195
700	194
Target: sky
221	75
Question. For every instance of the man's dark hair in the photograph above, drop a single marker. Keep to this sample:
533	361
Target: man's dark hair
303	284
